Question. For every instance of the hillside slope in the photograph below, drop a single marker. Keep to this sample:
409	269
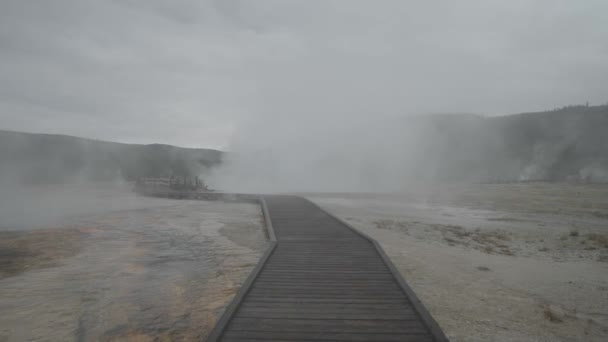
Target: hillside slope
570	143
567	143
45	158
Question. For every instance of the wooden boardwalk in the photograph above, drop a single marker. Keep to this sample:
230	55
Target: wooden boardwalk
322	281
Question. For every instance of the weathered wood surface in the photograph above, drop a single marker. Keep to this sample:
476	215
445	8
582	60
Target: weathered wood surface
322	281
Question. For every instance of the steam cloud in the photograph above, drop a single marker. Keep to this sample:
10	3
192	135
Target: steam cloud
391	154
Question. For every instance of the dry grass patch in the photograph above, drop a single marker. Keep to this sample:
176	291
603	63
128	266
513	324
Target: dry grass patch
391	225
29	250
553	315
600	214
491	242
600	240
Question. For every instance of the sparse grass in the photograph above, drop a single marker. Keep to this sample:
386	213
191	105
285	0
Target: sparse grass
458	231
600	214
505	219
491	242
496	240
599	240
450	241
552	315
391	225
574	233
506	251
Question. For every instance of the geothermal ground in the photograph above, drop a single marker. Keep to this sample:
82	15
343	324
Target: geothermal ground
511	262
118	267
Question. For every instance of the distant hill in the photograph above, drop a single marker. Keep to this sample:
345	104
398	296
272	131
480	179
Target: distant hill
569	143
46	158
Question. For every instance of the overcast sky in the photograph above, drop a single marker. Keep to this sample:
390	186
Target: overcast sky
193	73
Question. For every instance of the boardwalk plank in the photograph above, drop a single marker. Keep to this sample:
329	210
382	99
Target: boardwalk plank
316	336
323	282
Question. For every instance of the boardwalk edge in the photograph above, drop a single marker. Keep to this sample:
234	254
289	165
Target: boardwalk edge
222	323
424	314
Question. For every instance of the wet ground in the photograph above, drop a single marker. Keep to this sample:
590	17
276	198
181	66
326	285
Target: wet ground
159	270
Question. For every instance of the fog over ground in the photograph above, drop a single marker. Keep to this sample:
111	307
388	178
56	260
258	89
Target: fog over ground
301	92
